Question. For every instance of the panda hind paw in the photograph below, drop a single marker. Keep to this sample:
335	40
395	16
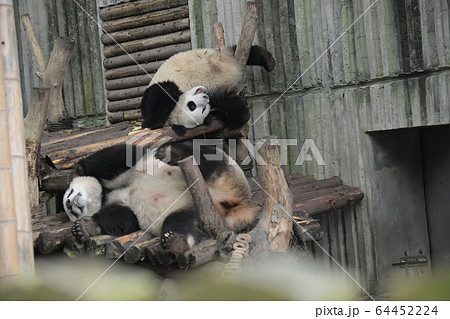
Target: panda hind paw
175	243
85	228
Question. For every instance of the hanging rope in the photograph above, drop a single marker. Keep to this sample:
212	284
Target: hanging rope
240	250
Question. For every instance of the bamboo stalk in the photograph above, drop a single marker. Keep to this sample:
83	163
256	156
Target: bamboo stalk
9	57
9	249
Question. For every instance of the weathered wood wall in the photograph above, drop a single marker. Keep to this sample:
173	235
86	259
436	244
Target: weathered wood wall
83	83
144	33
391	70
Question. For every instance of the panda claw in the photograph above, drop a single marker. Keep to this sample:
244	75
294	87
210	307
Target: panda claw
85	228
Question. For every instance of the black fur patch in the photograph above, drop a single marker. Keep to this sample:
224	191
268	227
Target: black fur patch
261	57
158	103
107	163
232	109
185	222
117	220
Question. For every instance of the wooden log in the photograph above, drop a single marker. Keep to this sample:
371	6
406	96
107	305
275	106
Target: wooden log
66	158
58	180
247	33
274	229
304	196
97	245
200	254
73	247
136	252
34	125
146	44
40	60
125	105
145	32
52	240
298	179
210	220
328	203
301	187
152	252
146	56
53	77
116	247
133	70
137	7
49	221
129	82
21	245
126	94
121	116
146	19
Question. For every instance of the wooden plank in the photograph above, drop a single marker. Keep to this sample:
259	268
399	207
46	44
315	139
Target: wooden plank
133	70
146	19
118	95
145	32
129	82
146	44
146	56
137	7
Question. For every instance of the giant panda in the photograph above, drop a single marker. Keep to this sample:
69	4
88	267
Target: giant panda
191	83
114	199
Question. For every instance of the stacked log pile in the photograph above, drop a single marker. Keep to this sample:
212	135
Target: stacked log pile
138	37
311	197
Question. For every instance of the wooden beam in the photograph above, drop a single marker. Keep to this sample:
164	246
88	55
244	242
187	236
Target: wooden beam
247	33
42	65
34	125
274	229
210	220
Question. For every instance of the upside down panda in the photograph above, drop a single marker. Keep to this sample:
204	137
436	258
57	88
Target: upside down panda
114	199
191	83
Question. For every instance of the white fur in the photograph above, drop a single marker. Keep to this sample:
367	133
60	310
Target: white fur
182	115
153	195
214	69
85	195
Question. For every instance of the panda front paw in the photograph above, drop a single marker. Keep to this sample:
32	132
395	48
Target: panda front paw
180	130
85	228
176	243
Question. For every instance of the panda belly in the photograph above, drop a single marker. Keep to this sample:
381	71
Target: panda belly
154	197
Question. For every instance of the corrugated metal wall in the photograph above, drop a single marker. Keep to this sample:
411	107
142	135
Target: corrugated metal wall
83	83
390	70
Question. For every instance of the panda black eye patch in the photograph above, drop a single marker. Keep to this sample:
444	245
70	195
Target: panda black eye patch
191	105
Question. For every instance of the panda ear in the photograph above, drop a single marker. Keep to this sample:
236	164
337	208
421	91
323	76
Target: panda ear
191	105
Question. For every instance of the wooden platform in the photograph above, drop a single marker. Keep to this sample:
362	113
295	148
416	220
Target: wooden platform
53	233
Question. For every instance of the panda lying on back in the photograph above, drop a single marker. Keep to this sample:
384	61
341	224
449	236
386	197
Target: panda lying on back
190	83
114	199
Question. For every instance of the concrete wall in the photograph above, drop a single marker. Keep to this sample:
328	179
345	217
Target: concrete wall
390	70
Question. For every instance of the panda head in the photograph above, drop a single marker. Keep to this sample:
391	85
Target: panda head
83	197
193	107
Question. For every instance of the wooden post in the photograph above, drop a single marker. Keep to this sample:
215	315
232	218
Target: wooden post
34	127
247	33
53	75
274	229
20	247
211	221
